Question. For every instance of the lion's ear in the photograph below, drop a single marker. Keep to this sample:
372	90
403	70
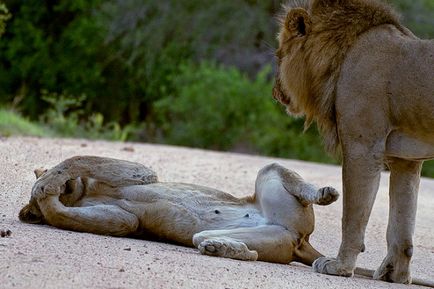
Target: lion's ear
39	172
298	21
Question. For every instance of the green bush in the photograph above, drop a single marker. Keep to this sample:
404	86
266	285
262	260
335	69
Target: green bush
221	108
66	118
428	169
4	16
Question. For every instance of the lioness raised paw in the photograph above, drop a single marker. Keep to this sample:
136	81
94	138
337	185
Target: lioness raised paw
327	195
41	191
330	266
48	184
227	249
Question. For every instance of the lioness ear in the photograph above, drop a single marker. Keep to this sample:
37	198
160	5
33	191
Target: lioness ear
298	20
39	172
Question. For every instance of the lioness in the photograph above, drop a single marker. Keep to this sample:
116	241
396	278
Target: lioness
368	82
120	198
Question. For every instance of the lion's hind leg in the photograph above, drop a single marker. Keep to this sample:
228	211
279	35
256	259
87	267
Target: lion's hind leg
404	185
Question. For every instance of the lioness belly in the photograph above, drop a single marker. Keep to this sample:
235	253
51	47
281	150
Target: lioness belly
177	211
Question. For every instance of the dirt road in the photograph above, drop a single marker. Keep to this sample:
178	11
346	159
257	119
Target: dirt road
44	257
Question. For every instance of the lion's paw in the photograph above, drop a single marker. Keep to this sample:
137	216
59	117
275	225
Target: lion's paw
330	266
327	195
227	249
393	271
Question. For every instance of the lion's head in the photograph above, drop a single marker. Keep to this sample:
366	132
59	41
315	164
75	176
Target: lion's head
314	39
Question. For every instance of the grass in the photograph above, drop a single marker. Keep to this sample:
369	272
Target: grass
11	123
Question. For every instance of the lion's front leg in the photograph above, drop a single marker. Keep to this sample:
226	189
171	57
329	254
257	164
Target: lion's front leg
361	176
404	185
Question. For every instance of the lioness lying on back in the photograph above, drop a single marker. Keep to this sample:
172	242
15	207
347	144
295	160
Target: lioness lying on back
120	198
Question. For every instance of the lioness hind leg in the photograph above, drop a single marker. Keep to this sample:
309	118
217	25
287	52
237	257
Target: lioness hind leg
310	195
227	248
270	243
404	185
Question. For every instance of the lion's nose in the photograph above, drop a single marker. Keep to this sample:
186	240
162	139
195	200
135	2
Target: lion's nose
279	95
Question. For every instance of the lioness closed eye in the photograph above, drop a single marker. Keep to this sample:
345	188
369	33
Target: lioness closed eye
368	82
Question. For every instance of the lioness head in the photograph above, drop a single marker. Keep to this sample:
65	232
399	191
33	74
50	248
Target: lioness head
31	213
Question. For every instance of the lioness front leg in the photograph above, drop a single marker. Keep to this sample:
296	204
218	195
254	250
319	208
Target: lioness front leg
270	243
113	172
361	176
99	219
404	185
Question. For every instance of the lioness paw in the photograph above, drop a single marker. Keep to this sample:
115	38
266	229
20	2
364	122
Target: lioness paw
227	249
327	195
330	266
42	189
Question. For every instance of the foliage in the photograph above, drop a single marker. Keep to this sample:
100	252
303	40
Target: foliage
221	108
48	45
4	16
11	123
66	118
121	54
428	169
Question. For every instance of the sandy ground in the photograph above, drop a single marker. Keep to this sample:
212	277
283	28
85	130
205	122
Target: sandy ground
44	257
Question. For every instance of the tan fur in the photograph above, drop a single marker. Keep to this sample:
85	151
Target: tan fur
119	198
312	64
367	81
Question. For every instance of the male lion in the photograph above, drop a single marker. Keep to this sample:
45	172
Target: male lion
368	82
120	198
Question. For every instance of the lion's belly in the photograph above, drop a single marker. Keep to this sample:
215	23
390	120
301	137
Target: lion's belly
411	89
407	146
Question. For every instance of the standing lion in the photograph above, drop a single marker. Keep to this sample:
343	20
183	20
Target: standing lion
368	82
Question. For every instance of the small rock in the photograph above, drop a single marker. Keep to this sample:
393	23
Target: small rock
5	233
127	249
128	149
